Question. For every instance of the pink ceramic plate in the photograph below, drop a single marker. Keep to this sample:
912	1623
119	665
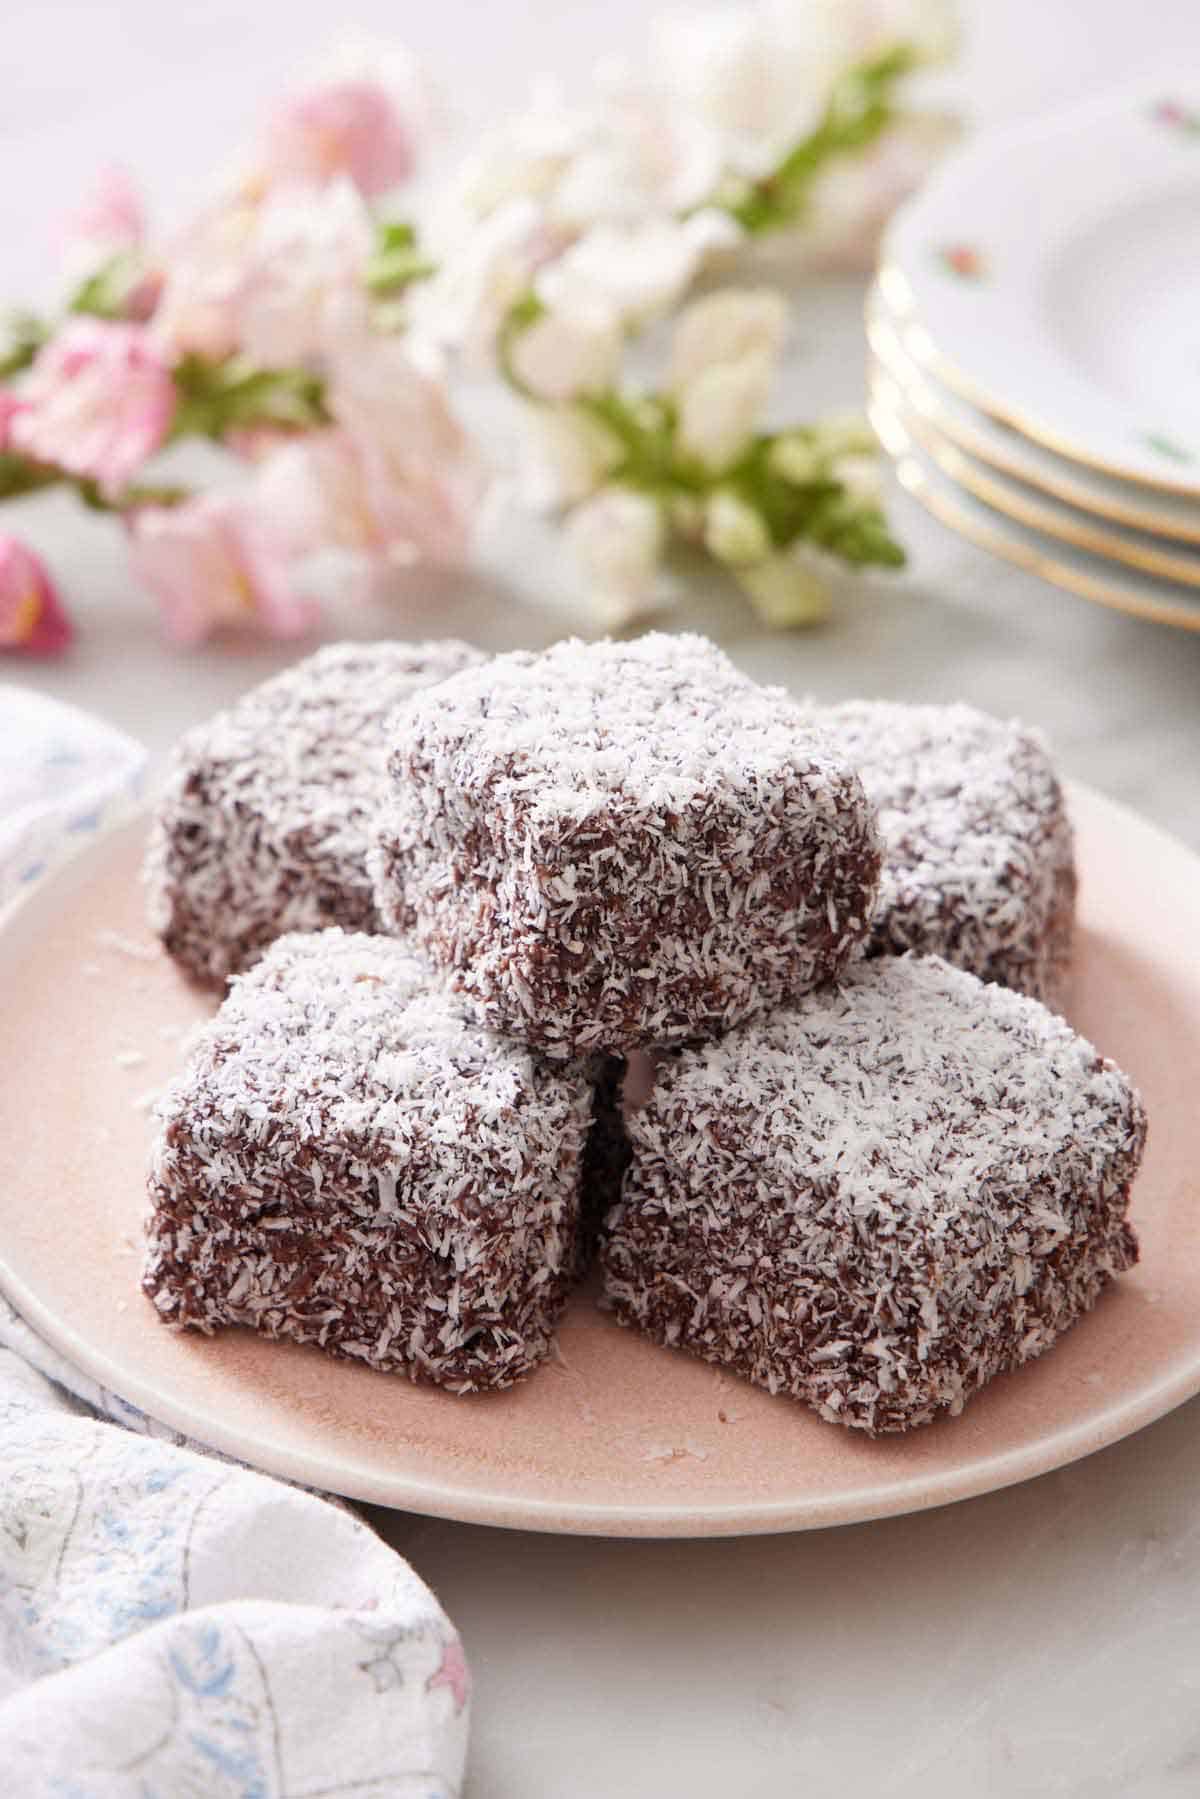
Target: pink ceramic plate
615	1437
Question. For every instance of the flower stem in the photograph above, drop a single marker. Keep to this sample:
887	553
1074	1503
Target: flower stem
859	110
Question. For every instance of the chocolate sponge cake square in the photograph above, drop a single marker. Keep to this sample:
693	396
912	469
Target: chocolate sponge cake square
613	845
880	1198
979	858
265	819
350	1161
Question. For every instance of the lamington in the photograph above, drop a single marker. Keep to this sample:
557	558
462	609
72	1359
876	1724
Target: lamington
264	821
979	860
880	1198
614	845
349	1161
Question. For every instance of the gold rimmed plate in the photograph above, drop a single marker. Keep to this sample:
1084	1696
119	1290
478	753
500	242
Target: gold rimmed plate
1074	571
1050	275
614	1436
1065	524
1000	447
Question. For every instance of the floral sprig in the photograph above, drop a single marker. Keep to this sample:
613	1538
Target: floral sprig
258	330
768	119
636	473
309	320
860	109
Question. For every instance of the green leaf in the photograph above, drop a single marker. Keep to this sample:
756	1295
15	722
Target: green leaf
395	234
791	480
19	476
215	398
397	261
860	108
389	273
22	335
105	293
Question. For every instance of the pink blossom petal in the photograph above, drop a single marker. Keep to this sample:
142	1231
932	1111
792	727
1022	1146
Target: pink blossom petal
32	619
110	219
212	564
10	405
351	128
98	401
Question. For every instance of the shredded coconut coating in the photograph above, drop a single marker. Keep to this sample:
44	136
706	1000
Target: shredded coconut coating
264	823
979	862
350	1162
613	845
880	1199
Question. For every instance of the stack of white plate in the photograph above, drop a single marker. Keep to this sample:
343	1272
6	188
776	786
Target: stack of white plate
1035	349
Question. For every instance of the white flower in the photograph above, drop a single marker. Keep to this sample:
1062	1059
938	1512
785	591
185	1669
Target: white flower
618	538
306	261
796	458
624	154
785	590
759	75
568	351
724	353
929	27
480	276
719	410
640	270
645	157
860	476
568	455
729	326
734	531
525	158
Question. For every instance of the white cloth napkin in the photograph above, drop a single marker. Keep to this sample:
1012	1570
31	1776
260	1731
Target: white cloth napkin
172	1625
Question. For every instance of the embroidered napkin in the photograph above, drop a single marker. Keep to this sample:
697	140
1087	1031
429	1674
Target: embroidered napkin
172	1625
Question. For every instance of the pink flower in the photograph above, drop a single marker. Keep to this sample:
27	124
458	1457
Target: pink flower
10	406
110	220
266	277
205	269
32	620
97	402
214	562
333	490
397	481
353	128
303	271
392	396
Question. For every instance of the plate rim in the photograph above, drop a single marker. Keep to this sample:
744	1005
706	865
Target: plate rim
901	298
922	397
959	467
992	537
1178	1381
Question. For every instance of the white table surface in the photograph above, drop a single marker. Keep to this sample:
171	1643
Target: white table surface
1042	1640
